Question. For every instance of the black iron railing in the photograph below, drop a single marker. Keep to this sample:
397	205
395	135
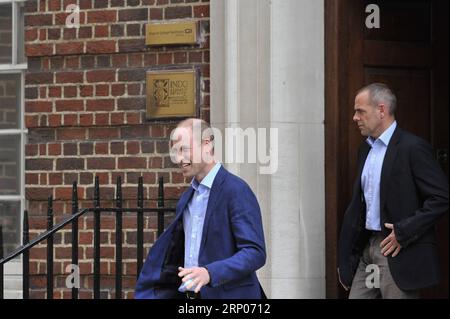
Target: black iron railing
72	219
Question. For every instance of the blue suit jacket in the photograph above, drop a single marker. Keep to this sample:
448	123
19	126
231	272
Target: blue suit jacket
232	246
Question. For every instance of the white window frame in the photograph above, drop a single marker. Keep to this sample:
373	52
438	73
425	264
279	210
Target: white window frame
21	131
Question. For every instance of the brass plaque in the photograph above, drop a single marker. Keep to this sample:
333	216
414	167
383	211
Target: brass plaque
171	33
171	93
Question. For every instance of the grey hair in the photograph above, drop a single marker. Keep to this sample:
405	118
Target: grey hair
380	93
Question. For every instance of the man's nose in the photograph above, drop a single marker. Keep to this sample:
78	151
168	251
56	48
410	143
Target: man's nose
179	157
355	118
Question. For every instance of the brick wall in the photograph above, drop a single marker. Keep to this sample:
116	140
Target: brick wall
85	111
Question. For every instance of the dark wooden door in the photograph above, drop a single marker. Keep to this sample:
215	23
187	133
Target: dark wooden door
409	52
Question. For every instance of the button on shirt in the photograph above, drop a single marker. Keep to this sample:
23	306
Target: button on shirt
371	177
194	217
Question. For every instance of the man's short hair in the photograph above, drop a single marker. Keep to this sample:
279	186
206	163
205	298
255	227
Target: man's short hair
380	93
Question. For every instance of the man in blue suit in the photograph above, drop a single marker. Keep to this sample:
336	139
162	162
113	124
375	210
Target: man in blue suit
216	243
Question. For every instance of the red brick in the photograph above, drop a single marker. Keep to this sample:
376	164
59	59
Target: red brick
86	119
101	163
132	162
165	58
101	16
65	193
54	149
70	91
117	89
117	118
31	150
70	120
69	105
86	90
69	34
69	48
69	163
102	90
31	121
54	120
103	133
31	35
72	62
177	12
132	45
133	147
133	118
100	105
195	57
133	14
69	77
119	60
102	119
101	148
71	134
54	91
38	20
101	76
54	5
156	14
38	49
85	32
201	11
38	106
135	103
102	46
38	193
101	31
117	147
55	178
39	78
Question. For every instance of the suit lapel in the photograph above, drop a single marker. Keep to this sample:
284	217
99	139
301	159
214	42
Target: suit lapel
364	153
388	163
184	201
214	196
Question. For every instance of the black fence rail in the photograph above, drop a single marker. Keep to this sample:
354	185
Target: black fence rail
72	219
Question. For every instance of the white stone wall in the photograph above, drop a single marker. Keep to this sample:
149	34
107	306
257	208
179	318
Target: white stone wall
267	70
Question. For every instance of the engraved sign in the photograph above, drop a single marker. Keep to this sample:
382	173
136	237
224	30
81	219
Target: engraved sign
171	93
171	33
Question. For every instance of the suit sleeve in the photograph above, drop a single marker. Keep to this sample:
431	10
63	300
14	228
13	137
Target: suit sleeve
432	185
246	226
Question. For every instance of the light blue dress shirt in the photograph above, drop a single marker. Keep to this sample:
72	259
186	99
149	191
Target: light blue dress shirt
194	217
371	176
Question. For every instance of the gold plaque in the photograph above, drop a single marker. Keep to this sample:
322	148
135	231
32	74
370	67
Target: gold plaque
171	93
171	33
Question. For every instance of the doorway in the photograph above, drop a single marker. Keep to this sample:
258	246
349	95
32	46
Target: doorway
409	52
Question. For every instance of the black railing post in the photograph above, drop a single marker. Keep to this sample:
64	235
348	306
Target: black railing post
1	265
50	249
26	258
119	238
74	235
140	226
160	205
97	239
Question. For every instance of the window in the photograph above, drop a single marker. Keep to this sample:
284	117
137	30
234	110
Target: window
12	130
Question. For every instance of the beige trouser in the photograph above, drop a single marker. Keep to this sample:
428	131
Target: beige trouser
366	285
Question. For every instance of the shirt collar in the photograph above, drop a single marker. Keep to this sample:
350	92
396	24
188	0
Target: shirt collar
385	137
208	179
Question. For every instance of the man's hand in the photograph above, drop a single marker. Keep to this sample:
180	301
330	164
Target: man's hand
199	277
390	244
343	286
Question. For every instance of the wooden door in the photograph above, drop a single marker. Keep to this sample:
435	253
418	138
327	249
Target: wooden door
409	52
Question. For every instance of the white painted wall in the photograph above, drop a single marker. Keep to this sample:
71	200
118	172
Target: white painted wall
267	70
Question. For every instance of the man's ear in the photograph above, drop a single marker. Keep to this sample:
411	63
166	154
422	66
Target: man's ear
383	109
